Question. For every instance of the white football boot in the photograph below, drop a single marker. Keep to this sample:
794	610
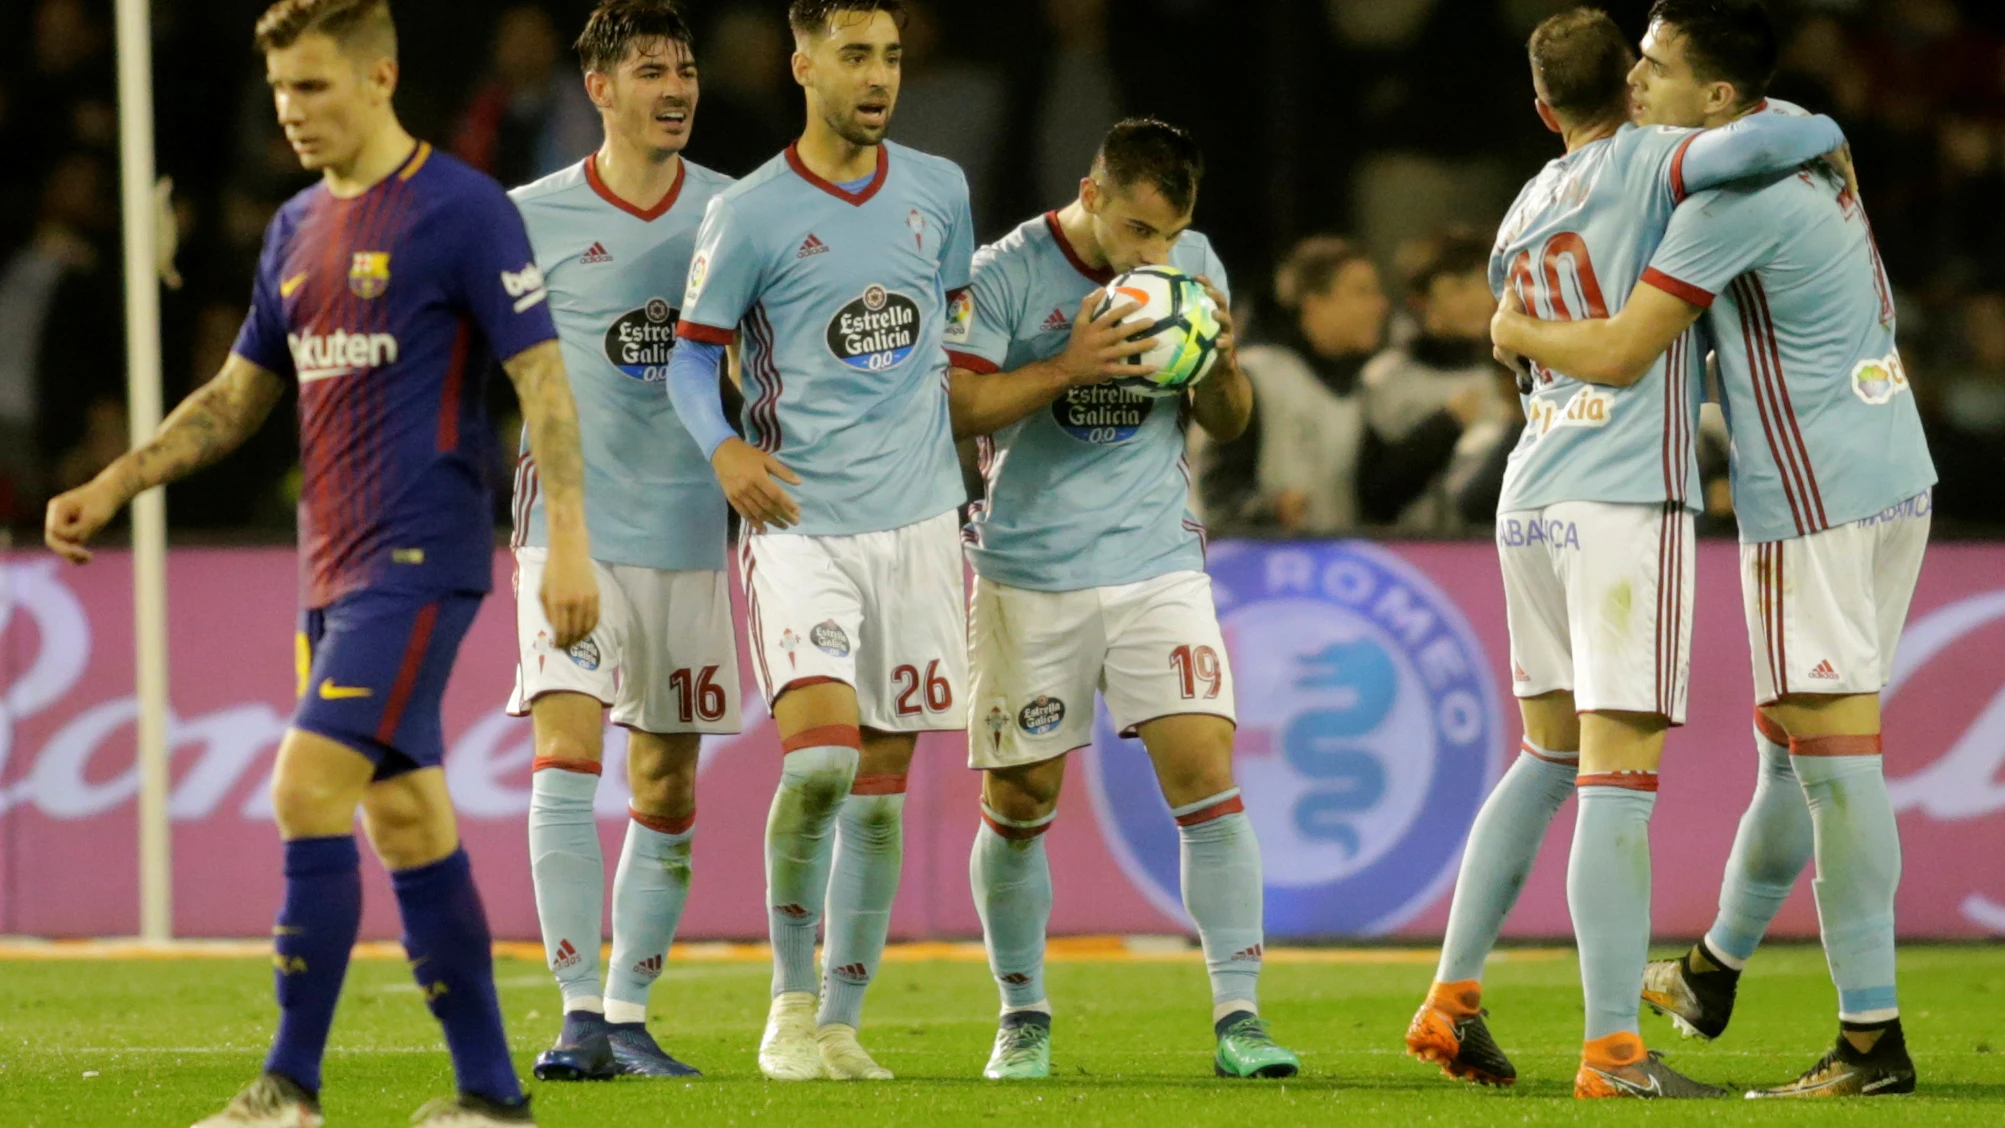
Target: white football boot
787	1052
844	1057
469	1111
271	1101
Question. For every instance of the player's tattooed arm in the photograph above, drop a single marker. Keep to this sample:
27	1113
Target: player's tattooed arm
1222	403
1616	351
570	594
982	403
213	421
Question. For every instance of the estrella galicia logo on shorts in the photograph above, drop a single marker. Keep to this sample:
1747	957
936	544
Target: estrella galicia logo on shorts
830	638
639	343
1101	413
1369	731
585	654
876	331
1041	716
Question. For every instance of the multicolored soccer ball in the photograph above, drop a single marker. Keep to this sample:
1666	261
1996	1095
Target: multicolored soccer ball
1177	316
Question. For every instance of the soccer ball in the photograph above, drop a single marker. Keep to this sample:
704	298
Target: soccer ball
1177	316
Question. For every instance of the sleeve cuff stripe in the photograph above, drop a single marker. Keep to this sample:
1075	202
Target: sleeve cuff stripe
1677	289
971	362
708	334
1678	192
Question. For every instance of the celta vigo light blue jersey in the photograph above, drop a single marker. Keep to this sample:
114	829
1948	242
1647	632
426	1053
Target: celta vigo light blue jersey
839	300
1825	429
1574	245
1092	491
615	275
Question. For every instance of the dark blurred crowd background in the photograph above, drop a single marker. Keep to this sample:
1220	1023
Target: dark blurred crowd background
1361	153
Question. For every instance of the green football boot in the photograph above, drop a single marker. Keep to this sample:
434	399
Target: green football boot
1246	1049
1023	1048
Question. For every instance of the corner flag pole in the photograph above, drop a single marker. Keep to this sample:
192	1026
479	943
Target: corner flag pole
149	510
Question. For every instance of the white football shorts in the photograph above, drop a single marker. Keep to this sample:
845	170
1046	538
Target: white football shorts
882	612
1599	598
1825	611
664	655
1152	648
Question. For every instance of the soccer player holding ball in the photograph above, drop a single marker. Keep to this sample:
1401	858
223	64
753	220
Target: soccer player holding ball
835	266
1091	567
383	290
613	238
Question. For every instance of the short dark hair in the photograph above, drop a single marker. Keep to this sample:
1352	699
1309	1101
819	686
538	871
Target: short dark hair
1581	63
1730	41
1144	149
618	26
811	17
1312	266
1456	250
350	23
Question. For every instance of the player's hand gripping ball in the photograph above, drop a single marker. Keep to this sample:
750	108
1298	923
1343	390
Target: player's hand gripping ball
1177	316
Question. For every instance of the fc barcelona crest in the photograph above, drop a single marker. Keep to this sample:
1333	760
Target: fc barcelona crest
369	274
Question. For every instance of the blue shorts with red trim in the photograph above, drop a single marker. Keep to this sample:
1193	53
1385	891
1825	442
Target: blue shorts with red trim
372	673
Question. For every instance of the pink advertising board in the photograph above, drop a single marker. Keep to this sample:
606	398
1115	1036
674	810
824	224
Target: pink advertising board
1375	713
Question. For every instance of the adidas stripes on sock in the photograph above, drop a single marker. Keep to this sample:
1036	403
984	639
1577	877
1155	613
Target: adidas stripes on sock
1503	843
569	873
649	890
1011	879
1608	895
1770	850
1858	849
1222	891
869	852
815	776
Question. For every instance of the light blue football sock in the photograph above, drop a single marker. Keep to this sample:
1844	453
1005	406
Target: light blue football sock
1858	868
1223	891
570	878
1608	895
1770	850
869	851
1503	843
649	890
1011	879
800	832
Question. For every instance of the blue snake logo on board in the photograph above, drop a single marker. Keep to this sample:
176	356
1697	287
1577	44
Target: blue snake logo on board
1369	730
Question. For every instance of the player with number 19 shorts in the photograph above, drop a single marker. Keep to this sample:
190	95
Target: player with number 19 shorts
834	266
1090	577
613	237
1594	534
1832	482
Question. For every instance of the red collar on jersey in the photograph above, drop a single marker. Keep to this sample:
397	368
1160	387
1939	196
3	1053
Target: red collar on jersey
650	214
1097	277
857	199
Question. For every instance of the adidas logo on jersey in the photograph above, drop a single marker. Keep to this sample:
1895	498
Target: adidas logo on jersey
1825	671
1057	322
566	956
597	253
813	246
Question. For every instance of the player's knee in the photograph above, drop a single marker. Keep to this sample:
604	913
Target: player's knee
1023	795
408	826
305	807
661	774
820	776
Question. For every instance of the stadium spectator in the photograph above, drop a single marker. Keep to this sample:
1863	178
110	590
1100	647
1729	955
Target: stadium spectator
748	109
1294	469
1967	416
1435	400
531	116
951	106
1079	100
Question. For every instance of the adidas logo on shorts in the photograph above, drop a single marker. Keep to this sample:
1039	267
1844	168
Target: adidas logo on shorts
1825	671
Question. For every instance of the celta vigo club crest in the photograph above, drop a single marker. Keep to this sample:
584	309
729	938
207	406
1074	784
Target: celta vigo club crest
1369	732
369	274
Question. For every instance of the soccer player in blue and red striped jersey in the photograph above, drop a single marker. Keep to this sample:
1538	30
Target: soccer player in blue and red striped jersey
385	291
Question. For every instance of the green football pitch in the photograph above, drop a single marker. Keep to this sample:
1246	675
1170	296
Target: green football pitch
163	1042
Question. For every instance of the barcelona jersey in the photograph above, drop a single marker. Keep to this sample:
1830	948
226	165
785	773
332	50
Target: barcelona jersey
389	308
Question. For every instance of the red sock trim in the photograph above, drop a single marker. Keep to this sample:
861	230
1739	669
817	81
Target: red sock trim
1629	781
661	825
1230	806
1013	832
878	785
1770	731
1835	745
561	764
824	736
